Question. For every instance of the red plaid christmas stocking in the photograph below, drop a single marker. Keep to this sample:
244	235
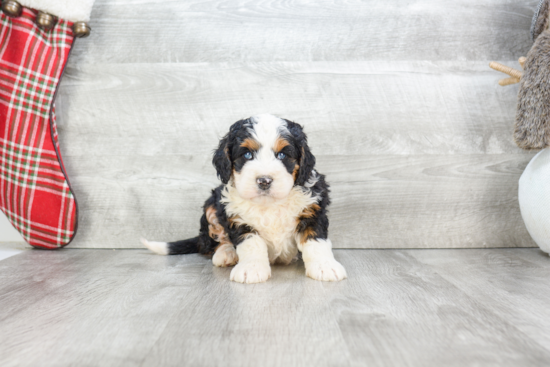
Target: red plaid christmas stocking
35	193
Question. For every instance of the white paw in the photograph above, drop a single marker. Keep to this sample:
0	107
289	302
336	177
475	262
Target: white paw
224	256
158	247
251	272
328	271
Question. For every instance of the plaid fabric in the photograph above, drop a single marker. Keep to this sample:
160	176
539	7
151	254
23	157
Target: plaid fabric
34	190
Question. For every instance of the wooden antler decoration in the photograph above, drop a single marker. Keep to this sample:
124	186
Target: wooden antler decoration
515	75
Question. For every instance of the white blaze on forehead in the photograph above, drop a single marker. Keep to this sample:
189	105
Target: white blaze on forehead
266	130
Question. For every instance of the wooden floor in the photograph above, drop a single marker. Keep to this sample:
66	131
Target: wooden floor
486	307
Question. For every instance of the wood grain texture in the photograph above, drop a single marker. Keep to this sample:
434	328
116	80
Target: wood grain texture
234	330
100	313
398	307
508	272
152	31
405	117
378	201
137	142
392	296
418	107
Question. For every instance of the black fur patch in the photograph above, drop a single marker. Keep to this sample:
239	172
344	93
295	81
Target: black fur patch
306	160
292	156
238	156
236	234
229	151
316	226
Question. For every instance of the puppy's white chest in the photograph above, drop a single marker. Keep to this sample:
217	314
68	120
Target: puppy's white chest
276	225
275	222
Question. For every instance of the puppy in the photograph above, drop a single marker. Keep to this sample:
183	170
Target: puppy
271	204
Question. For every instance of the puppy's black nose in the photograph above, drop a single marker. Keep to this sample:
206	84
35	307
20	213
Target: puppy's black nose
264	182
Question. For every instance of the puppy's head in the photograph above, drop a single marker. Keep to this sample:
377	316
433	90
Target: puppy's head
265	156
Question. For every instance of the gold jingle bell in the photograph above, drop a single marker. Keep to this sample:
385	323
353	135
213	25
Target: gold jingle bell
11	8
81	29
45	21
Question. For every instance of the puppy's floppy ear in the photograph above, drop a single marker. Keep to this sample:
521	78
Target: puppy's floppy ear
307	162
307	159
222	156
222	160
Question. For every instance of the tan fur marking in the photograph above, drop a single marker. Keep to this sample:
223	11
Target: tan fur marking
307	234
251	144
310	211
280	143
215	229
295	172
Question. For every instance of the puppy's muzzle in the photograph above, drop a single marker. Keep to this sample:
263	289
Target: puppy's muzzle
264	182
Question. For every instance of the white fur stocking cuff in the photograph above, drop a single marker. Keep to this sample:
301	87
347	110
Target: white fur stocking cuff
71	10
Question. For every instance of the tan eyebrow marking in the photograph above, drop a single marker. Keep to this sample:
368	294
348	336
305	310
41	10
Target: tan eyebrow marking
280	143
251	144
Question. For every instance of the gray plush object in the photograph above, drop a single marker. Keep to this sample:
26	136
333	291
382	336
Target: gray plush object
540	19
532	129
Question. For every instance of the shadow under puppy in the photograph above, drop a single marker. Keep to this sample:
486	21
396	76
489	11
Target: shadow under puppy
271	204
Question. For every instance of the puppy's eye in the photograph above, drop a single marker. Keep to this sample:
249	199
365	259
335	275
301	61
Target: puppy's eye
281	156
248	155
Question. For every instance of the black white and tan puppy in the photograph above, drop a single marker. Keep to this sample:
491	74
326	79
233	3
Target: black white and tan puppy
271	204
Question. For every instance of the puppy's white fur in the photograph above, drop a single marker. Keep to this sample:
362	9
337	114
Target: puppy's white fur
160	248
319	261
274	222
72	10
253	266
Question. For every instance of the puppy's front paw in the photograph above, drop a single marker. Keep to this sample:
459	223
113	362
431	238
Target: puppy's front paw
251	272
328	271
225	256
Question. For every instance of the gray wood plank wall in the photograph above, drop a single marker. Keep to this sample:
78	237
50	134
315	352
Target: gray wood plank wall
405	117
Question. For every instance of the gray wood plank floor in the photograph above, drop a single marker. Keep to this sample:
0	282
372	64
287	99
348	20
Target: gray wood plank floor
469	307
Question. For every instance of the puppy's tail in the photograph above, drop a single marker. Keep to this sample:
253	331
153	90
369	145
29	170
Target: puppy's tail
190	246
